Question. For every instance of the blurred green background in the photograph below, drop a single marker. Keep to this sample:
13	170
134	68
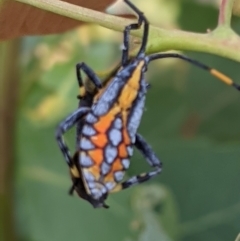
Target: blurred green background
191	121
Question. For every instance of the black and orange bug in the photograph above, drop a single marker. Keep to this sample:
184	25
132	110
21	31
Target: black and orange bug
107	122
87	91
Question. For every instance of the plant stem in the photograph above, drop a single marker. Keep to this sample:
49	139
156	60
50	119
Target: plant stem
8	97
221	44
225	13
77	12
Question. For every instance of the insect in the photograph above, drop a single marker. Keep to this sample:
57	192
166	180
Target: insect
87	93
107	121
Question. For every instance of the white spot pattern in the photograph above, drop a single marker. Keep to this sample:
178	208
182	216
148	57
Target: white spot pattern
104	189
125	163
110	153
86	144
101	108
130	150
90	118
88	131
118	176
88	176
85	160
96	193
117	123
105	168
91	184
115	136
110	185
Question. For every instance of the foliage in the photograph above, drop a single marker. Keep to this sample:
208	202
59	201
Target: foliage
191	121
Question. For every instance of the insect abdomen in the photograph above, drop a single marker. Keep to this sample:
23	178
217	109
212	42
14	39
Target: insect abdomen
109	132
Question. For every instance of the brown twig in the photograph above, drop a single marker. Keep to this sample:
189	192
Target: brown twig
8	96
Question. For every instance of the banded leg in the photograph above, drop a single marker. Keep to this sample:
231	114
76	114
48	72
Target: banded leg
64	126
134	26
151	158
90	74
147	151
220	76
86	98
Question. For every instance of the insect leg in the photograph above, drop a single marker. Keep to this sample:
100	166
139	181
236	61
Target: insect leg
222	77
151	158
91	76
134	26
147	152
64	126
72	188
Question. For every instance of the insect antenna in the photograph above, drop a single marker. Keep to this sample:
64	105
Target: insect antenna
219	75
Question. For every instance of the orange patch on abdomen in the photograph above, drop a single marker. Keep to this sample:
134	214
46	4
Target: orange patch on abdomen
126	138
116	166
96	155
122	150
109	177
95	170
99	140
104	123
